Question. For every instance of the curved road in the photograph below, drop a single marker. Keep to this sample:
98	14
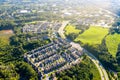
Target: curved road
102	71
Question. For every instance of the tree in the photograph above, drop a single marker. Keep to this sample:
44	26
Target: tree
82	71
72	36
66	78
7	72
115	27
26	71
118	55
118	75
6	25
18	51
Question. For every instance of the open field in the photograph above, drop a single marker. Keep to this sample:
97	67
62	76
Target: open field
4	37
94	35
112	42
6	32
71	29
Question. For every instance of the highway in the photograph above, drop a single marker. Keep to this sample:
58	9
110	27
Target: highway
101	69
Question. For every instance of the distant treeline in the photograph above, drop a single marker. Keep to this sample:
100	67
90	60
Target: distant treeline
115	27
6	25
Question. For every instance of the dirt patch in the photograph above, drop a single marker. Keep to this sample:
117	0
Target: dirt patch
6	31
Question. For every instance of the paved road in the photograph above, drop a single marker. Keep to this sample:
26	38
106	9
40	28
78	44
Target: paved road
61	29
101	69
103	73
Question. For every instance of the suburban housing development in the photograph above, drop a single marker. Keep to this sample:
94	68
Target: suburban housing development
54	57
59	39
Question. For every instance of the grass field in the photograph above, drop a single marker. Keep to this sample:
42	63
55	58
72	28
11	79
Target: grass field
71	29
112	42
94	35
4	37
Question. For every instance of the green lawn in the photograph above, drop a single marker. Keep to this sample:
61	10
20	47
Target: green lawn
71	29
112	42
94	35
